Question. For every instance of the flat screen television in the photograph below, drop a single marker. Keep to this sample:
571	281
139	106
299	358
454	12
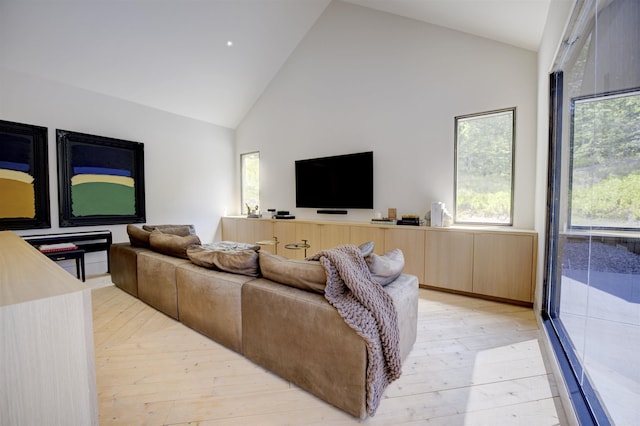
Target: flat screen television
338	182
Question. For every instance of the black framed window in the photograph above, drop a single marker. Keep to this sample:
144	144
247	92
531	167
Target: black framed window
605	161
592	271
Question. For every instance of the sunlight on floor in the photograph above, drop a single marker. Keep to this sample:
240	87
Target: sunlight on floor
494	371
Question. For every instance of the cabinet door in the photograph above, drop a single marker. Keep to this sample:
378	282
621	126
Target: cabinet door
302	231
263	231
285	231
244	231
333	235
503	266
229	229
363	234
411	242
449	260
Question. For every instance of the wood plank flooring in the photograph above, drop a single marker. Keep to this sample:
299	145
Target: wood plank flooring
475	362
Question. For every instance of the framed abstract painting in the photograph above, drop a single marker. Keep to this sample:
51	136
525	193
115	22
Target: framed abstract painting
24	177
100	180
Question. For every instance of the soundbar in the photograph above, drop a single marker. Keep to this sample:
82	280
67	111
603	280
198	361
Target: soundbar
331	211
284	216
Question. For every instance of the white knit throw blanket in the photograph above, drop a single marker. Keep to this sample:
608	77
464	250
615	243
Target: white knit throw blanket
369	310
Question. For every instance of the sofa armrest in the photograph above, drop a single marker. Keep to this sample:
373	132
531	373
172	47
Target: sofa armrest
124	269
299	336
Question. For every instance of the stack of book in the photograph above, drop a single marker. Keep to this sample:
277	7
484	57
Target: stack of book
412	220
52	248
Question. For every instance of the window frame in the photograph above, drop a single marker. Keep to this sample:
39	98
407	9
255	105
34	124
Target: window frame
456	220
585	399
572	102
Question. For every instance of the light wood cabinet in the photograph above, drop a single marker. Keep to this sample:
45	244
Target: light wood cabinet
411	242
497	264
230	228
249	231
319	236
449	260
503	267
363	234
285	231
263	231
333	235
309	232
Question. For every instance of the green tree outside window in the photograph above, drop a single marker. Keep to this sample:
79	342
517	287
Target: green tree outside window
484	167
250	164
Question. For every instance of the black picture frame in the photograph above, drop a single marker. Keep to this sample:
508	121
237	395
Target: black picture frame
100	180
24	158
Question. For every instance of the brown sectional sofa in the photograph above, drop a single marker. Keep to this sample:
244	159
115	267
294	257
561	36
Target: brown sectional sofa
292	332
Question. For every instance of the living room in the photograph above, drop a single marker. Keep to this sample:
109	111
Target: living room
391	110
348	79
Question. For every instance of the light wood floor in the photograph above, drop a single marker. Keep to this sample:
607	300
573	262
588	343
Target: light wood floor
475	362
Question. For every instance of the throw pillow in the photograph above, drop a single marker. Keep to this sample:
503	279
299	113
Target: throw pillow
366	248
137	236
237	261
303	274
386	268
181	230
172	245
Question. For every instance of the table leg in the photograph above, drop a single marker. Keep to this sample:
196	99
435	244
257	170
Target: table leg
82	267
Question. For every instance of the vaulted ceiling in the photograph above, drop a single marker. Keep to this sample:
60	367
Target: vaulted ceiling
208	59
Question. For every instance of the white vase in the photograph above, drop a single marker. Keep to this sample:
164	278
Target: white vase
437	211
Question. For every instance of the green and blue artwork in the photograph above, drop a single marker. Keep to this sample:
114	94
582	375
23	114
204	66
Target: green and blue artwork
101	181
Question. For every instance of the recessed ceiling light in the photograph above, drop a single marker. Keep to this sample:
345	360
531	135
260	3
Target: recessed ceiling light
229	43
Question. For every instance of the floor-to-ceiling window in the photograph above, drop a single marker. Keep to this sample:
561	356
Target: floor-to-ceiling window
592	281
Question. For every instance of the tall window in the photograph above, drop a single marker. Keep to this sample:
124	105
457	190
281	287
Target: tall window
592	274
484	167
250	164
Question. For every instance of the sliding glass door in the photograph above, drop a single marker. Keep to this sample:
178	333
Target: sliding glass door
592	281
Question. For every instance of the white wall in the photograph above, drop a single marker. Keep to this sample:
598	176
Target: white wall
557	19
366	80
189	164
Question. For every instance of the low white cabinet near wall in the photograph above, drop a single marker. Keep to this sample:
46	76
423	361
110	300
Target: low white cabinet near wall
47	367
493	263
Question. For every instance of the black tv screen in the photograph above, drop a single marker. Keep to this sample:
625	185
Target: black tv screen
338	182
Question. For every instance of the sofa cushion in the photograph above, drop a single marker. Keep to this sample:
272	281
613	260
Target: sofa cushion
209	301
157	281
181	230
172	245
387	267
231	245
303	274
137	236
236	260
